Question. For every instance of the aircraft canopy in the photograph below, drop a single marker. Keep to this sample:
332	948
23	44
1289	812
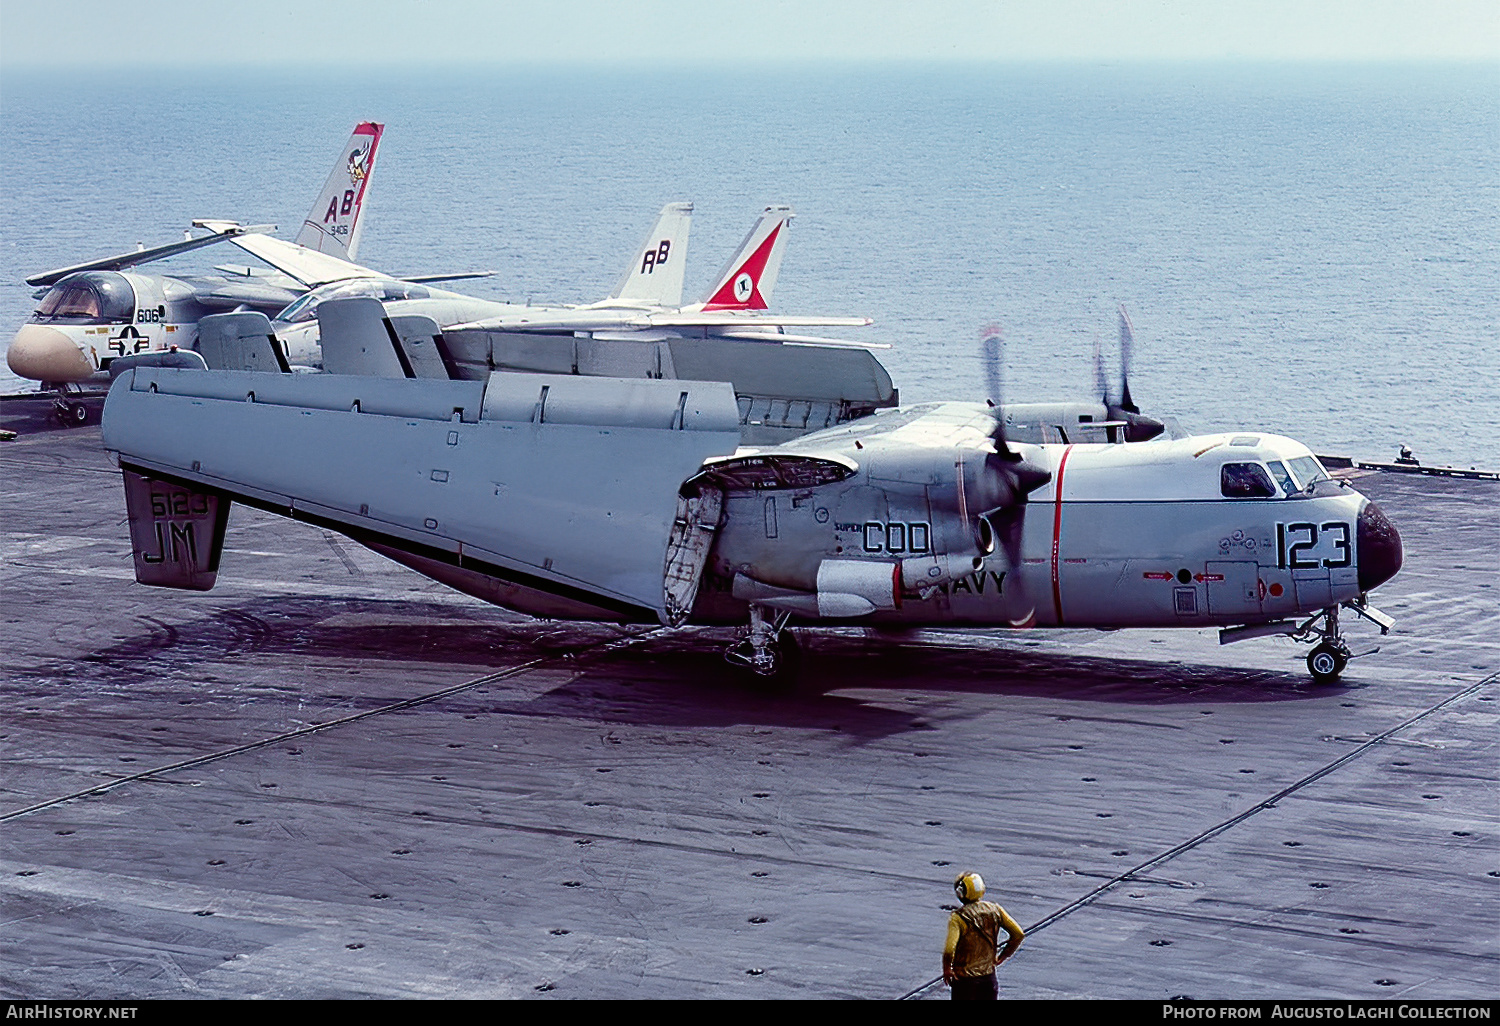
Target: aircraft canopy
88	297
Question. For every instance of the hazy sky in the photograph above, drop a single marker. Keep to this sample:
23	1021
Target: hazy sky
118	35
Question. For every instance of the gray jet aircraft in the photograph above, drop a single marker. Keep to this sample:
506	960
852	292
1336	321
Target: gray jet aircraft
99	310
96	312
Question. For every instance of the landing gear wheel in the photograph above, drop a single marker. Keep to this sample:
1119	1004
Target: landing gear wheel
769	650
1326	661
70	414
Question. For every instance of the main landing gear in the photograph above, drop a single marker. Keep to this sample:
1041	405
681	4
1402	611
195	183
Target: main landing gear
70	414
769	650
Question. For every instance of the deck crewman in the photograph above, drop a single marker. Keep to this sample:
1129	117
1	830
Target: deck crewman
969	957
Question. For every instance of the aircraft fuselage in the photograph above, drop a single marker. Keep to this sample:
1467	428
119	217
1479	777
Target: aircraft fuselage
567	497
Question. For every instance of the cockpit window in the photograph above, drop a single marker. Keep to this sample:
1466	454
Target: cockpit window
1245	481
91	297
384	289
1308	470
1283	476
300	310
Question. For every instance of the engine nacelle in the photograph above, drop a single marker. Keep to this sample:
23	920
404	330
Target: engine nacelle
846	588
921	574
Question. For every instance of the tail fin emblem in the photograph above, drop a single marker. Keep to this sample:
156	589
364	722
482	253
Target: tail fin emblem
744	285
357	169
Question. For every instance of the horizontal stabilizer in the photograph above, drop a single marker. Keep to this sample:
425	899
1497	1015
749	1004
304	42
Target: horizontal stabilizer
425	279
122	261
176	531
585	319
783	338
308	266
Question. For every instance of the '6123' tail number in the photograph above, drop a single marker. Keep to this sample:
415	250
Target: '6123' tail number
1295	544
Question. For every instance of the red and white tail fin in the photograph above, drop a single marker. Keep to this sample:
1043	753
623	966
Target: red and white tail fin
654	276
333	226
748	279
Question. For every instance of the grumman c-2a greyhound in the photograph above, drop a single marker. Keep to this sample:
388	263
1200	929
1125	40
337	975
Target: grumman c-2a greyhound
633	500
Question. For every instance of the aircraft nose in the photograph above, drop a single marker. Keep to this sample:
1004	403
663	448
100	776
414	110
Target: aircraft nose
46	354
1378	547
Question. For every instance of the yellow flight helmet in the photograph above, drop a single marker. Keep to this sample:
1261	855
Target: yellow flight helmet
969	887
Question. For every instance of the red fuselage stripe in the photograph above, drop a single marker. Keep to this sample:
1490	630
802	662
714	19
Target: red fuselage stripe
1057	534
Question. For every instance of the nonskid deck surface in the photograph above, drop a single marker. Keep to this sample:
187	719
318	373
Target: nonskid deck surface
583	810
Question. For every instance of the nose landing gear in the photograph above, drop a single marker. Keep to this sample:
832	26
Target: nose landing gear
1330	655
1326	661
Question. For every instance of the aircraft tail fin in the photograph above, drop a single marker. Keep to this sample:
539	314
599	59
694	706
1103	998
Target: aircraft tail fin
176	531
750	275
333	226
655	273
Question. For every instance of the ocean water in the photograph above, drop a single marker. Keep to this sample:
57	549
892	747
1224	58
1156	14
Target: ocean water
1312	250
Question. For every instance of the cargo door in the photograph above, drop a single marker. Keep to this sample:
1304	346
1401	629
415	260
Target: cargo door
693	531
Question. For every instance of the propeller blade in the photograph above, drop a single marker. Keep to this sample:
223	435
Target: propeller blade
989	356
1127	342
992	354
1101	380
1011	479
1007	524
1137	425
1006	478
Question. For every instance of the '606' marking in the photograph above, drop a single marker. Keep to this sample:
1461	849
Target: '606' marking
1293	541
